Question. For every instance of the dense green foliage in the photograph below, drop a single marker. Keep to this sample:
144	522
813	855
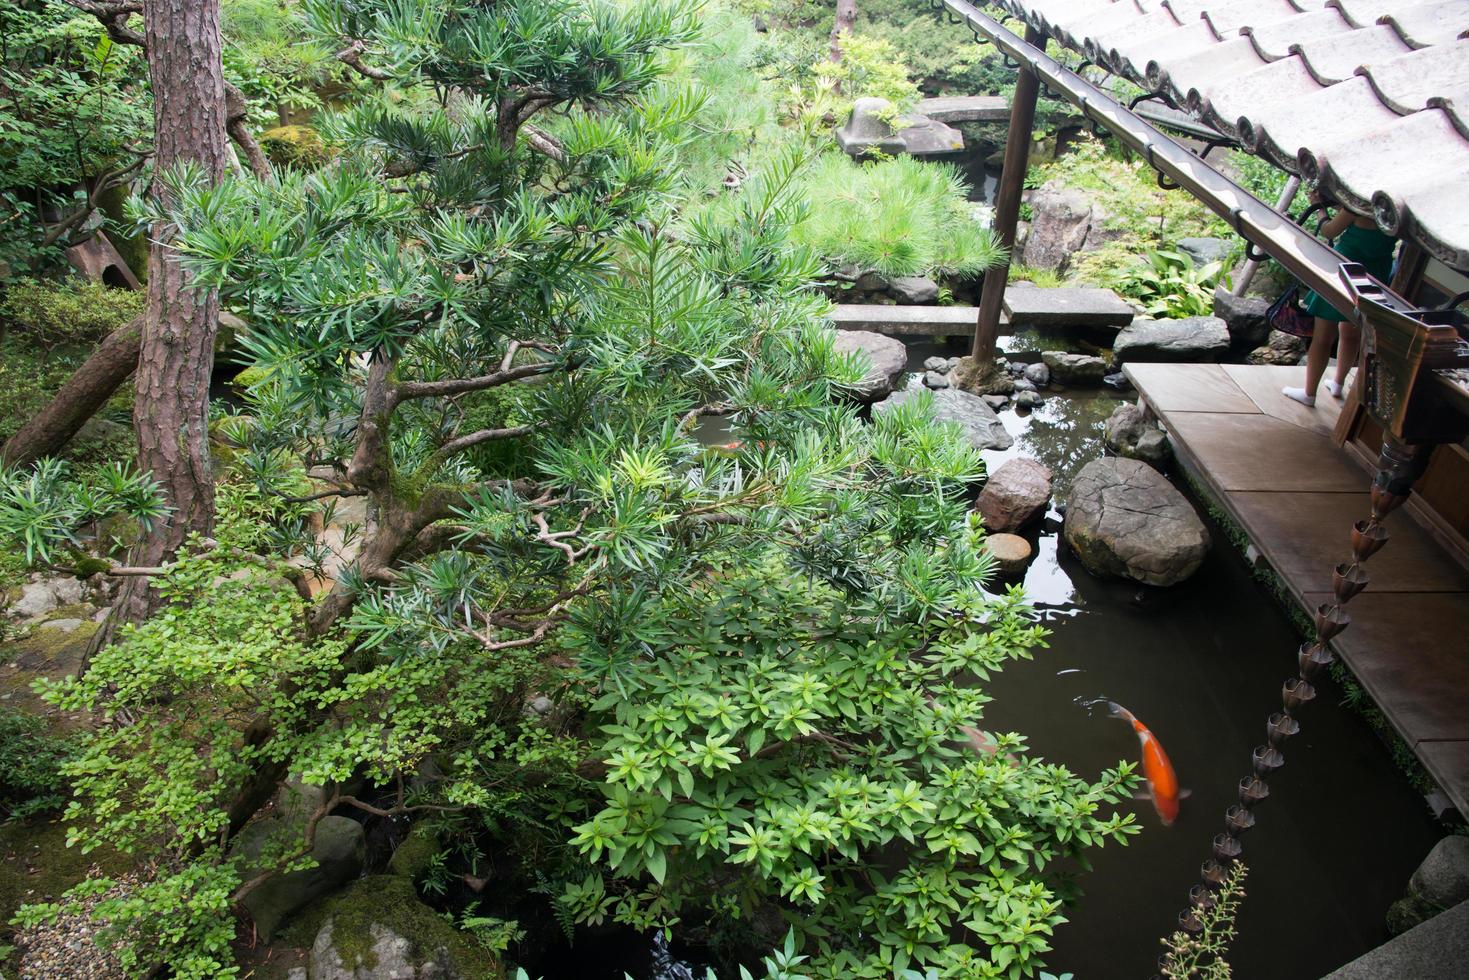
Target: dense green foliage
607	461
74	108
1141	215
69	312
1169	284
899	217
31	759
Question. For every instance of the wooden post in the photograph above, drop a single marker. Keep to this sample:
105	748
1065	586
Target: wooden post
1007	207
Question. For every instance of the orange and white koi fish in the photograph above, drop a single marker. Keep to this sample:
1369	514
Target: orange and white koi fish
1157	770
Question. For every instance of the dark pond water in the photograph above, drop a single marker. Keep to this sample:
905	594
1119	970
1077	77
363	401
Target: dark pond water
1202	666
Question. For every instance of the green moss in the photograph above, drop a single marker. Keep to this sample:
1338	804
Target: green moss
37	866
412	858
391	901
48	653
294	146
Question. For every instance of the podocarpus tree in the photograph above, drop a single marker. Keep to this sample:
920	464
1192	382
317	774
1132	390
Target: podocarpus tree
486	319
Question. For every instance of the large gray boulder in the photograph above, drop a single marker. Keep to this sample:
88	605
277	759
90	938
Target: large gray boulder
1129	432
1074	369
1064	221
379	930
1191	339
1015	495
1123	520
982	427
340	851
1244	318
887	358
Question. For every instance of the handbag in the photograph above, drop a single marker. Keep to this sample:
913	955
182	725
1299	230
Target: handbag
1287	315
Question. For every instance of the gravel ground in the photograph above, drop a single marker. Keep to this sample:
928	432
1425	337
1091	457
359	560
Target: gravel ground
65	950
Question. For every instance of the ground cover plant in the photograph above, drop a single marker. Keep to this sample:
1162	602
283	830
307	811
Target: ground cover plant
606	461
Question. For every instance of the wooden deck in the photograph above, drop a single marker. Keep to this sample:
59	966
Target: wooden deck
1272	465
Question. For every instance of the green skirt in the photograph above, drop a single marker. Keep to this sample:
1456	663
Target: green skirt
1367	246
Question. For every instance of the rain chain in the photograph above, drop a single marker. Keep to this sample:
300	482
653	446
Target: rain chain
1398	468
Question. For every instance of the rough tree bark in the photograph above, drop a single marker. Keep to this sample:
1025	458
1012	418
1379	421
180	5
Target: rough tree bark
86	391
176	353
846	20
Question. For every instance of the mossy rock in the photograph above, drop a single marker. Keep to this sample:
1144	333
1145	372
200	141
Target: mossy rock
294	146
49	653
415	855
377	927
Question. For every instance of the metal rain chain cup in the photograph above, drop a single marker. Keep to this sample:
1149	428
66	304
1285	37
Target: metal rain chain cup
1398	468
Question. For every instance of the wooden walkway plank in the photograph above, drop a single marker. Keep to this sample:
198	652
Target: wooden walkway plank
1272	466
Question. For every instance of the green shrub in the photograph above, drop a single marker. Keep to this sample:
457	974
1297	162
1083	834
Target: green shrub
53	314
1169	285
898	217
30	766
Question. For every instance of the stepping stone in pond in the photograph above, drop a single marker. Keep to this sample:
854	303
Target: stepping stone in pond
1011	552
1066	306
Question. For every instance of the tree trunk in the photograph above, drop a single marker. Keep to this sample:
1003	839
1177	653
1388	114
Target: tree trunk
177	350
846	19
86	391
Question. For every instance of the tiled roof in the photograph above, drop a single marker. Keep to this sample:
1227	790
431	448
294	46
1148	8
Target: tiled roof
1370	97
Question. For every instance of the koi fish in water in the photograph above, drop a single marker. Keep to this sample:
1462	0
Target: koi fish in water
1157	770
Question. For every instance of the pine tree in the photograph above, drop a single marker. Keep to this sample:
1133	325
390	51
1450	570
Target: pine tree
606	457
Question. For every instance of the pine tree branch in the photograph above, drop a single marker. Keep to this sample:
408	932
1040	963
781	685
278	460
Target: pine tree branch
458	386
351	56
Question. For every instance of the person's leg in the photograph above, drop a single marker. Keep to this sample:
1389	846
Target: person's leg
1347	348
1323	340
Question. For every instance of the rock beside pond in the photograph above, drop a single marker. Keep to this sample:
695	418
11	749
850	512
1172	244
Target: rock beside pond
378	929
1443	877
1244	318
1280	348
1191	339
1037	374
1074	369
1064	221
340	852
1129	432
1011	552
887	358
1015	495
935	380
914	289
1028	399
982	427
1124	520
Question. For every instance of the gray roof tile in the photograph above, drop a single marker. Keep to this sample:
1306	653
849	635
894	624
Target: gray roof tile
1372	96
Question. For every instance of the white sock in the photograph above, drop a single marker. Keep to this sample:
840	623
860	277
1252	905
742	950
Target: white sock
1333	389
1299	395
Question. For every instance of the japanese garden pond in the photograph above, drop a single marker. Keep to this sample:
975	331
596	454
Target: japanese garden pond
1201	664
